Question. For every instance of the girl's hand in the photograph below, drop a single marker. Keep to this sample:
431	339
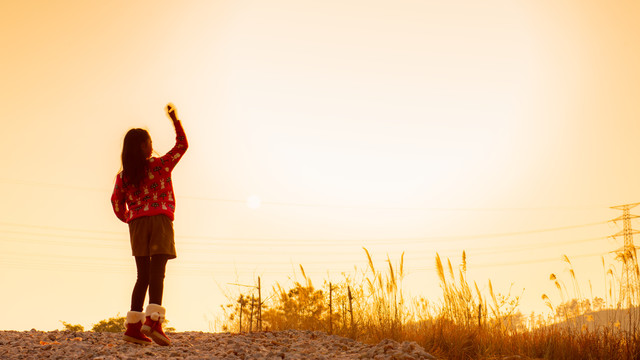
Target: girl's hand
172	112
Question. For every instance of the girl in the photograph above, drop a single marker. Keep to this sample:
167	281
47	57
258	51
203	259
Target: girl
143	198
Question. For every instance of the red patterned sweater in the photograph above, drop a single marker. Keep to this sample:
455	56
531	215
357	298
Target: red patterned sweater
154	196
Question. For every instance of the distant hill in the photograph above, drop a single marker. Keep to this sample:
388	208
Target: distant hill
624	319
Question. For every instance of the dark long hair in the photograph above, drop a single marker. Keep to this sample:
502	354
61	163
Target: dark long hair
134	160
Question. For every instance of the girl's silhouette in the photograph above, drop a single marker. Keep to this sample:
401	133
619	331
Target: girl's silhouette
143	198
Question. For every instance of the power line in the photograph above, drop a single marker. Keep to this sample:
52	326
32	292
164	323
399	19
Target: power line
92	263
321	241
513	263
61	228
191	247
344	256
121	243
334	258
316	205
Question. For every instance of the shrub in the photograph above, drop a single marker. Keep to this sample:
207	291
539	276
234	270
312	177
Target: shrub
114	324
71	327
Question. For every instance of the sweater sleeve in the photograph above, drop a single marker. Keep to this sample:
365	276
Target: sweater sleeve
174	155
118	200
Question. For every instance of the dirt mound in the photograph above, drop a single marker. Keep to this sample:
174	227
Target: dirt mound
290	344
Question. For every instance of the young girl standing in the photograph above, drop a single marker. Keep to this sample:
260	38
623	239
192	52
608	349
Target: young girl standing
143	198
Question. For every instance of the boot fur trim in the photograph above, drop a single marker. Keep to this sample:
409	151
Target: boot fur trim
134	317
155	312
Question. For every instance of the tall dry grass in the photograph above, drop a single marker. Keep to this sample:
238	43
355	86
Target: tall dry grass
467	323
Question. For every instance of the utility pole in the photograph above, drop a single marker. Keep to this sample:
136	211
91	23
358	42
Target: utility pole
627	254
259	319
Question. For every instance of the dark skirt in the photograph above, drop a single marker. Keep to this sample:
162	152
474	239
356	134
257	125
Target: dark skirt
152	235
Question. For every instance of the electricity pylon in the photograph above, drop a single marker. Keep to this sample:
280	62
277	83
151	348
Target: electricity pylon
627	254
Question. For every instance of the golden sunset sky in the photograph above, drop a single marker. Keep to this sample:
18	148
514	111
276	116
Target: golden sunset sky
506	128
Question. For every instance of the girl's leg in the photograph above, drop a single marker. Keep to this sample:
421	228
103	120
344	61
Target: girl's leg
142	283
156	279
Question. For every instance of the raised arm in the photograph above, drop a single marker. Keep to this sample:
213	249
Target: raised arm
172	112
175	154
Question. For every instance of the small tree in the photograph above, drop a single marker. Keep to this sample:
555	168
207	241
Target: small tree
167	328
71	327
114	324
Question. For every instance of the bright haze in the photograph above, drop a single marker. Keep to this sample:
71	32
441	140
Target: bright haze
504	128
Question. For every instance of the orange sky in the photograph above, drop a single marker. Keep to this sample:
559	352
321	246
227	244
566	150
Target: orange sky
415	126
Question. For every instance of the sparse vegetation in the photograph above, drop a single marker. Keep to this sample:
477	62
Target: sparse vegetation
113	324
71	327
468	324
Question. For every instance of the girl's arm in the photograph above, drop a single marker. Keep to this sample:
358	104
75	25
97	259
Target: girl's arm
174	155
118	200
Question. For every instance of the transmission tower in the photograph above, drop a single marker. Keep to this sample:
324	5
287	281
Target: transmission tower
627	254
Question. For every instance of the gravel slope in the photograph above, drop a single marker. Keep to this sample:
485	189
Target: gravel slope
291	344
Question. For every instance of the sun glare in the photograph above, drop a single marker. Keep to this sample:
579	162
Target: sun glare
253	202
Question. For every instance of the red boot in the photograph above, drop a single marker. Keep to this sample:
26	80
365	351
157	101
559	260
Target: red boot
133	325
153	324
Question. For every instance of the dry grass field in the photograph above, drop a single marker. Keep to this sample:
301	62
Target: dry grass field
466	324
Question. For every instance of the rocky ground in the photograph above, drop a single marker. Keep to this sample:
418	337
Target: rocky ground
291	344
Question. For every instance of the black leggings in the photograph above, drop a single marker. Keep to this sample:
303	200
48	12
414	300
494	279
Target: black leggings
150	275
